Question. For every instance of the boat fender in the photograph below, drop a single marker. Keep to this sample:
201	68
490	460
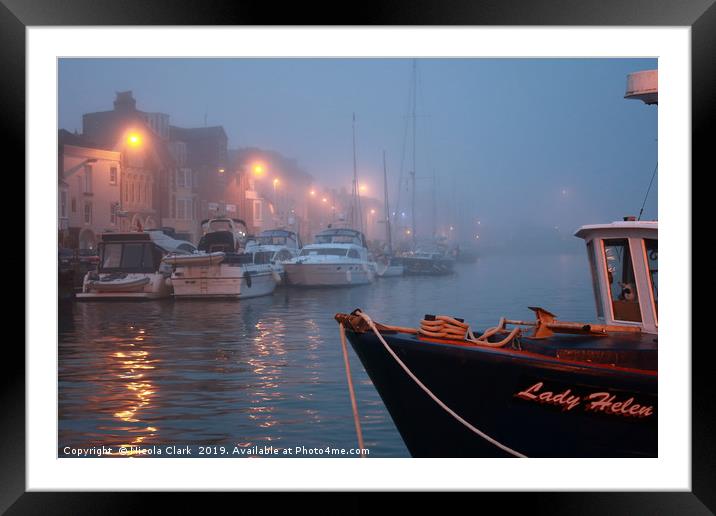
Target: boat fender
168	282
276	276
349	276
247	278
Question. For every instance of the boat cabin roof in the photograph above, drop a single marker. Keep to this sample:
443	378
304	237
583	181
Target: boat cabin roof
623	228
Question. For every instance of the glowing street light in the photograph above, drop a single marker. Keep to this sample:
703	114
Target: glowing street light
313	193
362	188
258	169
324	200
134	139
275	182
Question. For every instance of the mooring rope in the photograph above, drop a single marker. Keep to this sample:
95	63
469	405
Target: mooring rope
354	404
420	384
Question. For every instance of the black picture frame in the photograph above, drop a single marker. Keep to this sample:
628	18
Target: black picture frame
700	15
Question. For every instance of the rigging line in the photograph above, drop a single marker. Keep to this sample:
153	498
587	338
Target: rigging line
402	161
641	211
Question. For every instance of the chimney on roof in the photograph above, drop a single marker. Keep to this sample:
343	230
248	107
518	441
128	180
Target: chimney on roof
630	218
125	101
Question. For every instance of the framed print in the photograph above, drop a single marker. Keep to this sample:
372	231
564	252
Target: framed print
225	175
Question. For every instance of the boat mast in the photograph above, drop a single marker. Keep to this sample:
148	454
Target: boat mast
388	236
356	208
435	208
412	173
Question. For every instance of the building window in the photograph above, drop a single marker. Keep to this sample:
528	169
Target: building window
63	204
113	175
185	209
257	211
88	179
113	213
88	213
74	205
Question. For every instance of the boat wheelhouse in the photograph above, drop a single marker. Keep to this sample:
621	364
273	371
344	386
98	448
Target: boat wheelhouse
542	388
623	264
130	266
338	257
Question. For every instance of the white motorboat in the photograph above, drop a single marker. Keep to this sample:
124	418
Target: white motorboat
281	244
339	257
130	267
233	275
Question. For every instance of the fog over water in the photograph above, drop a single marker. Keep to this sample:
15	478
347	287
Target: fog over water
532	148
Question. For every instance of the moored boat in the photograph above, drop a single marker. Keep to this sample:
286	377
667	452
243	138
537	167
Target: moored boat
428	261
231	275
281	244
130	267
339	257
542	388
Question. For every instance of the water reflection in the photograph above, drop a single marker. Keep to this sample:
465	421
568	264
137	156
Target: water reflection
270	370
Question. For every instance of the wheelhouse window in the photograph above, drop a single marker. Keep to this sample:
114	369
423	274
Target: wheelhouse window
595	278
353	254
652	251
620	277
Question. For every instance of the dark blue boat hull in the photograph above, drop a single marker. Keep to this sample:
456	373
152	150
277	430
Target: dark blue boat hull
483	386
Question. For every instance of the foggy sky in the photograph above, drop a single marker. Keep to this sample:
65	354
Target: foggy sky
515	143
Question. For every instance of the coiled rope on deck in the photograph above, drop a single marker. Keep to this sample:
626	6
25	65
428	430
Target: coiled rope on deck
446	327
420	384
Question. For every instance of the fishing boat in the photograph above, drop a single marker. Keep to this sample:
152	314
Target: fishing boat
542	388
338	257
130	267
281	244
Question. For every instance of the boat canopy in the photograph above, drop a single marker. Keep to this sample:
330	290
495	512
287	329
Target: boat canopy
218	241
341	236
623	258
129	255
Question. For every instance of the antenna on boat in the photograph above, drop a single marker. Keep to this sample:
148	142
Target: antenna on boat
641	211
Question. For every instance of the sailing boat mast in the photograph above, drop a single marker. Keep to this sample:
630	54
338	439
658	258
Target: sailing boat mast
412	173
388	236
356	207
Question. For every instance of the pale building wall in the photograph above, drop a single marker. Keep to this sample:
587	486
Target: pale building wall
93	191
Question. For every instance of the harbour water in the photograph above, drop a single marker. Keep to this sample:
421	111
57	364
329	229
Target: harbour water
269	371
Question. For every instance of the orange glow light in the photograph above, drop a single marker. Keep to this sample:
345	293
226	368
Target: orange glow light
134	139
